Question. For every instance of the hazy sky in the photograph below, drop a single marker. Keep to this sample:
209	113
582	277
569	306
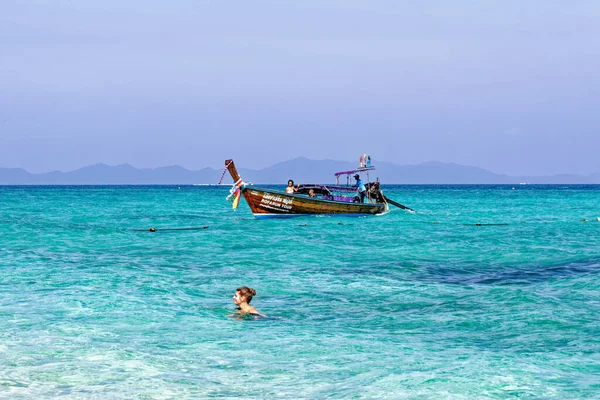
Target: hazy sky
511	86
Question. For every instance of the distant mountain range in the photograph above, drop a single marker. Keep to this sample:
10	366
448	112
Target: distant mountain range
302	170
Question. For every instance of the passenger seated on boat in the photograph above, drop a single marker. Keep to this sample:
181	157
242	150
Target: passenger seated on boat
362	190
242	298
290	189
311	193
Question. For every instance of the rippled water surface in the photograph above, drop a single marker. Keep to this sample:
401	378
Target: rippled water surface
430	305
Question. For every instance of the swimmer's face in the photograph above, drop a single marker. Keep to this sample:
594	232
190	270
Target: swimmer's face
237	298
290	183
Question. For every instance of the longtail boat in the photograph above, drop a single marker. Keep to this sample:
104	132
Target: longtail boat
310	199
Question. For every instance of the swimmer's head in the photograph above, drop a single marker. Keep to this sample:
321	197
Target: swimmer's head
243	294
290	183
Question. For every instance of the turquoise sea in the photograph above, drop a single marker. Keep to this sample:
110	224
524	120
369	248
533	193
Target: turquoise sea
426	305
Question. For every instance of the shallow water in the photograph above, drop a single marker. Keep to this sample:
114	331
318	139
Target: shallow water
92	305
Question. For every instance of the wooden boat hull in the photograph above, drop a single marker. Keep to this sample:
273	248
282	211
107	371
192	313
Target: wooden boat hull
266	203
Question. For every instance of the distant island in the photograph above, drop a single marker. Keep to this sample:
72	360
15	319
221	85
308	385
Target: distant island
301	169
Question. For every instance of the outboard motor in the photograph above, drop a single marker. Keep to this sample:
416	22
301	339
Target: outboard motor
375	192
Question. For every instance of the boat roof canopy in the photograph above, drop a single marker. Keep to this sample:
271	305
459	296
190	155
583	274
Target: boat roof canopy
354	170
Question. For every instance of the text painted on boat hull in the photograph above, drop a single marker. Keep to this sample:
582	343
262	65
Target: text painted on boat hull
277	203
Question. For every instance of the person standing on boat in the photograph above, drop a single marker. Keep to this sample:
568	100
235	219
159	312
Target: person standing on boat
290	189
362	190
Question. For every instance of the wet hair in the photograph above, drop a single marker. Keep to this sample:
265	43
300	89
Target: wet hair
246	293
291	180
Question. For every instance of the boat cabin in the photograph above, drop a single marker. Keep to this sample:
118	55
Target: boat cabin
344	193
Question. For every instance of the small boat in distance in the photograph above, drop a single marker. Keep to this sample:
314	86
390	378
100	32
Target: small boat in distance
310	199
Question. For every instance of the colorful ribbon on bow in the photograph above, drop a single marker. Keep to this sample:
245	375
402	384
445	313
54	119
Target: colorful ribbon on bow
235	193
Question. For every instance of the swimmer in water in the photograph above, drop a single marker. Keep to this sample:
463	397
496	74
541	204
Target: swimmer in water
242	298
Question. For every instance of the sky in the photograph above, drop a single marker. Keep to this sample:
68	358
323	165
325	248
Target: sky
510	86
